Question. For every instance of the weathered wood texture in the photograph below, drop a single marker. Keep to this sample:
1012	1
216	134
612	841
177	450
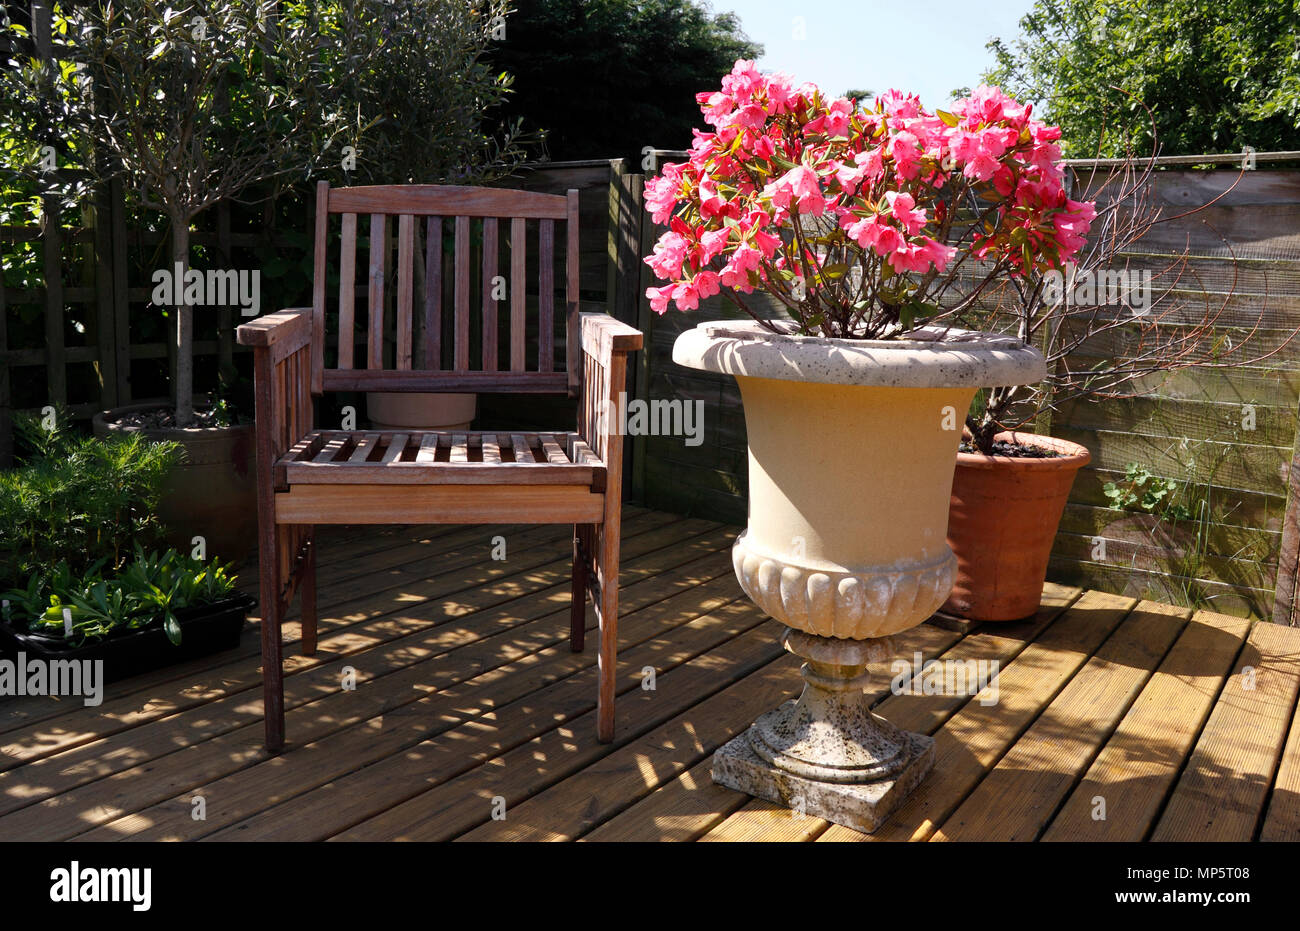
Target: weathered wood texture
467	690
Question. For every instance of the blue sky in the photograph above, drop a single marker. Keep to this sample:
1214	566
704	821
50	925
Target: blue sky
927	47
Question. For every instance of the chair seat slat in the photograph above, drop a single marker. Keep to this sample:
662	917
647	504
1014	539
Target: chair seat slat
523	453
364	446
395	447
554	455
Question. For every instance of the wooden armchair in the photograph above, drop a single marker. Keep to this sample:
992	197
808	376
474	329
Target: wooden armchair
308	476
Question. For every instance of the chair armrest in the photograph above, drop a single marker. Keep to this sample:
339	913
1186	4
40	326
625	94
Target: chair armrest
284	409
291	326
605	345
602	336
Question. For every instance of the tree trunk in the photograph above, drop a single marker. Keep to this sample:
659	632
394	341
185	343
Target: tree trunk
183	389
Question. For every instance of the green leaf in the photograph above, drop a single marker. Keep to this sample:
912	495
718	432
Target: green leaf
172	628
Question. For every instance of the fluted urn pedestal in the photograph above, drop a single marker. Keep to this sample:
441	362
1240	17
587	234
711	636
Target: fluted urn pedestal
852	446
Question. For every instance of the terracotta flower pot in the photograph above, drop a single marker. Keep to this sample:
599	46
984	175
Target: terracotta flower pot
212	492
1003	518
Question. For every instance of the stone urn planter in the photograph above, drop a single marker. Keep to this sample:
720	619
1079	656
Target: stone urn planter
1003	520
420	410
852	446
211	492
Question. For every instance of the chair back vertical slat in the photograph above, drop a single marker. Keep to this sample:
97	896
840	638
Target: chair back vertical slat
347	289
489	300
518	294
462	295
378	269
405	262
573	338
406	347
320	234
433	294
546	296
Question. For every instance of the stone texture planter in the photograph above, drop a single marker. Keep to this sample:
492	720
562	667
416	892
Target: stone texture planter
1003	520
212	492
852	446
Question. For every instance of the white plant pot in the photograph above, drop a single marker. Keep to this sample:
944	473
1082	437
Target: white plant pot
852	447
418	410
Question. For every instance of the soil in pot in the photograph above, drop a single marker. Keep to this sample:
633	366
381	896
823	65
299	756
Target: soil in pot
1003	520
212	493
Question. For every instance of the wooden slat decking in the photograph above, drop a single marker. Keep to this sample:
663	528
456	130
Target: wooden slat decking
1173	725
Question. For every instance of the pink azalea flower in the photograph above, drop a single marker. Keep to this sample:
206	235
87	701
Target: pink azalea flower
711	202
874	233
670	252
744	260
661	194
715	106
901	206
688	294
767	243
712	243
874	171
743	81
801	186
906	150
780	94
659	298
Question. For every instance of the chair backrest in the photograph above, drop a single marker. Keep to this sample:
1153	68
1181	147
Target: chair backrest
500	345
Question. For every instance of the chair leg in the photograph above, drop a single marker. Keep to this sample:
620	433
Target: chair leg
607	661
307	591
578	608
268	551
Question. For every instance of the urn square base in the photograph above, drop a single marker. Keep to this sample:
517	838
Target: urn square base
863	807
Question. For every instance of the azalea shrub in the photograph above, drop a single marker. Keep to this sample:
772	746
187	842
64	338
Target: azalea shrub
862	220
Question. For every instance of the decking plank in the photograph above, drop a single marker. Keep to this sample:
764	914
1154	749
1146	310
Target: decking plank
650	554
923	714
492	676
581	802
458	758
1282	822
1142	758
972	741
681	810
1017	798
1223	789
574	805
391	564
468	691
466	801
